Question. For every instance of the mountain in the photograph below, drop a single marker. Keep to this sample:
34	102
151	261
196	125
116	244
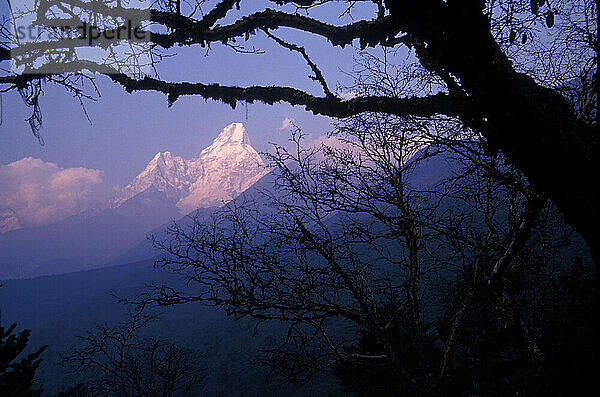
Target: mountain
168	187
220	173
57	308
144	250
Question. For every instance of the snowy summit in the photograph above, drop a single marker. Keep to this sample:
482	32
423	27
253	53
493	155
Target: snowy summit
220	173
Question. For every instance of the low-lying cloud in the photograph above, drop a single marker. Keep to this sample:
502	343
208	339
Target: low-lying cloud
40	192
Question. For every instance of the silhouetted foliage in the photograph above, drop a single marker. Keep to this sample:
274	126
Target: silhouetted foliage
414	349
17	370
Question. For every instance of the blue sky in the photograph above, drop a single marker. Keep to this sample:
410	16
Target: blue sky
128	129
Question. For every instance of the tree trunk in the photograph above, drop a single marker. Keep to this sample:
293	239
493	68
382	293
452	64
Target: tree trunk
533	126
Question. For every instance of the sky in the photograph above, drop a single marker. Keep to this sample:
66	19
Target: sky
126	130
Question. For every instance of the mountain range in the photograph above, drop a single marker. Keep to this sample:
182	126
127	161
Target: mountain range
59	307
167	189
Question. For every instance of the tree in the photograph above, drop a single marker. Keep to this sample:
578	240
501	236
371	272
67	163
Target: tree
533	99
119	361
17	375
377	268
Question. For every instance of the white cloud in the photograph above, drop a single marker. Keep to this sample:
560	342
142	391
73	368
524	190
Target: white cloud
40	193
286	123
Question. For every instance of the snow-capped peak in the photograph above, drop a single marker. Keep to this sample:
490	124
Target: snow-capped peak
234	133
222	171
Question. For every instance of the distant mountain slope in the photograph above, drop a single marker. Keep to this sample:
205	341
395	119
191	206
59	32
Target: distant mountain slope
431	171
58	308
144	249
85	240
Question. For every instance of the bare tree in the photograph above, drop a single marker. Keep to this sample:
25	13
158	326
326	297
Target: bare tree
120	361
370	258
500	66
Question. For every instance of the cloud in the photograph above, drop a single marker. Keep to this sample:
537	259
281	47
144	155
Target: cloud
286	123
40	193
